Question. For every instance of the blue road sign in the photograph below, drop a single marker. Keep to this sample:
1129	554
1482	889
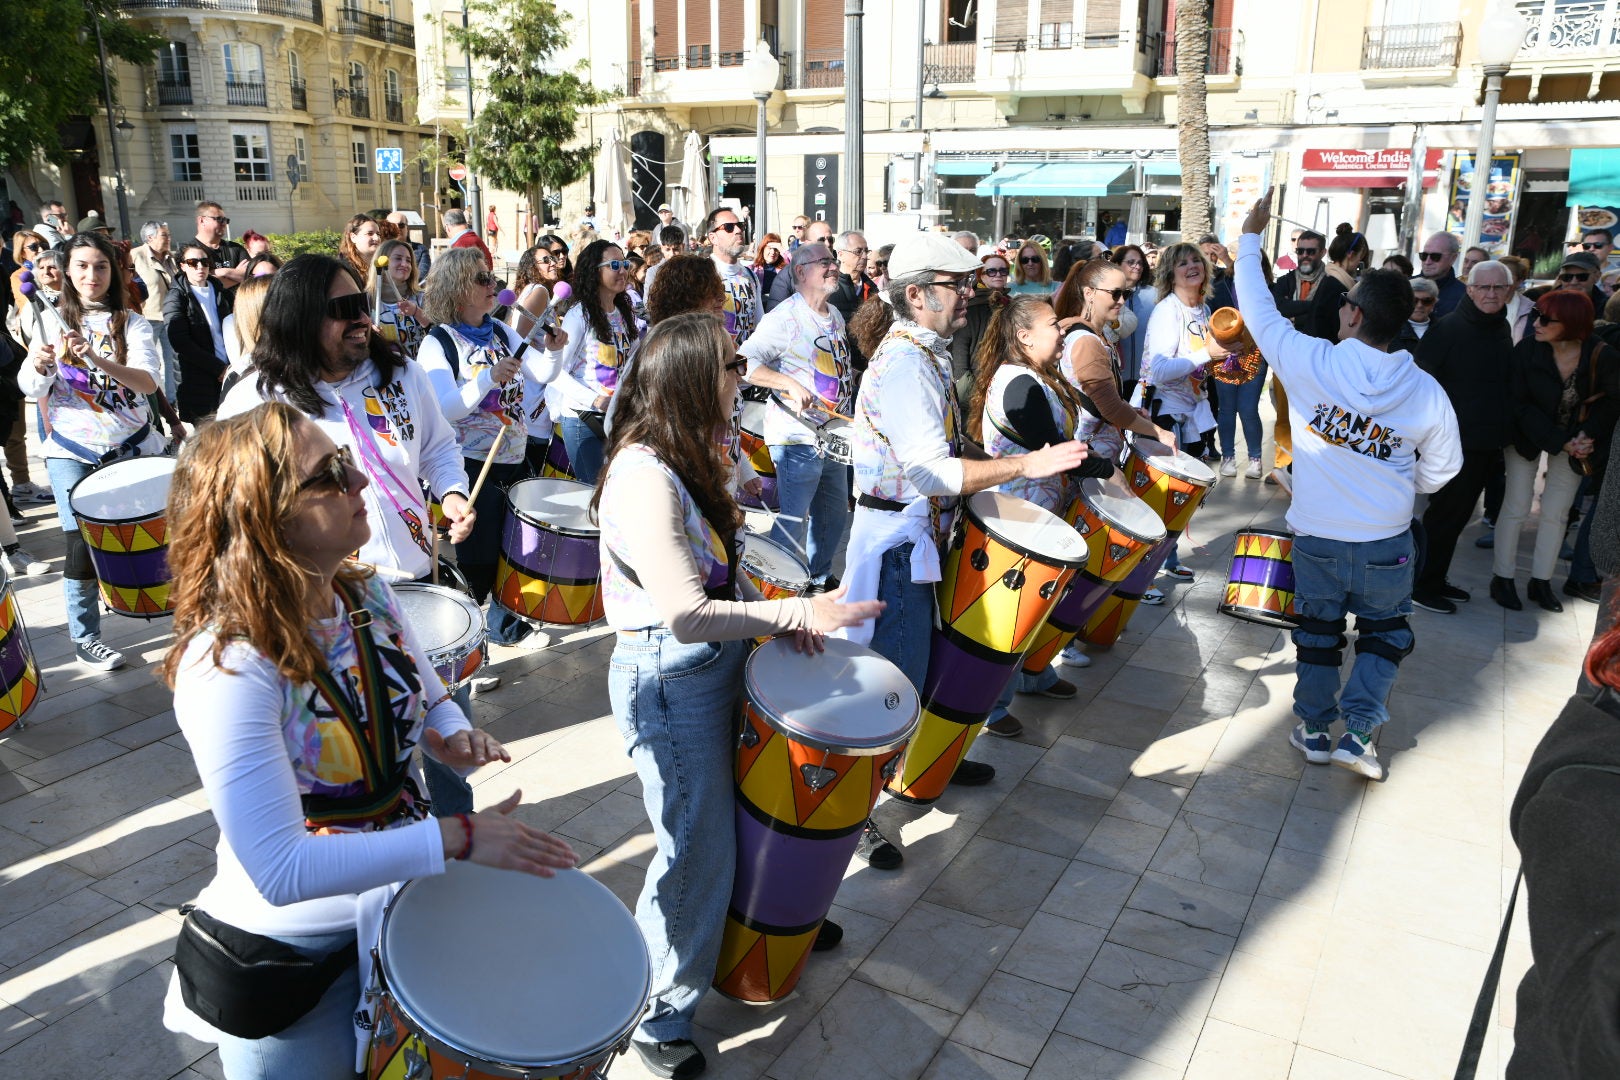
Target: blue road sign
390	159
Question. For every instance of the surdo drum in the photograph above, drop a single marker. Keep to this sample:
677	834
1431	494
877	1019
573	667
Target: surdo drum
122	511
550	570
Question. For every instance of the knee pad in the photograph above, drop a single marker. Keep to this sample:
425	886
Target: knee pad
79	567
1328	656
1379	646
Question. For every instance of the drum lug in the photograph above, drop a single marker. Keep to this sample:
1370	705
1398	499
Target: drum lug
890	767
748	738
816	777
1013	579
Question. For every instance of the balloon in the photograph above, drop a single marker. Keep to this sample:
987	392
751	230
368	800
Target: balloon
506	297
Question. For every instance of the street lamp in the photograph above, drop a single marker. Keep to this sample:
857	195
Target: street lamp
763	71
113	130
1500	34
477	221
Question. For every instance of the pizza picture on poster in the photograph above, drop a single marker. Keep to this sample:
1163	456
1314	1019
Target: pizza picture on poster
1500	190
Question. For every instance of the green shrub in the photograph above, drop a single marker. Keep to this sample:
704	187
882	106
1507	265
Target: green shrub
318	241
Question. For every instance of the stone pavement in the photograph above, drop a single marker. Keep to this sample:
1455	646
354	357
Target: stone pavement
1155	885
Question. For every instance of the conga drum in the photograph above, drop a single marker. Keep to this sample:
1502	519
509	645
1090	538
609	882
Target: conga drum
448	626
484	973
1260	585
820	734
775	571
557	465
1119	531
20	682
751	439
550	570
122	511
1008	564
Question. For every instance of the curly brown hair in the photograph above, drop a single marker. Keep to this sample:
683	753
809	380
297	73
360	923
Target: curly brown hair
684	283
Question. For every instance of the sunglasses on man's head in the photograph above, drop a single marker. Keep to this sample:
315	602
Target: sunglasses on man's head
615	264
1567	278
332	474
346	308
1431	256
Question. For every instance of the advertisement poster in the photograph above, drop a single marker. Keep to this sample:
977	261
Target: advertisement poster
1246	180
1500	191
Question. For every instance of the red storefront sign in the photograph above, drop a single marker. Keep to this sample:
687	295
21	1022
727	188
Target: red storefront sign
1385	168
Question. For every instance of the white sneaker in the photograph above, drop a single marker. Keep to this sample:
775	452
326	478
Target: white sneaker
1074	656
483	684
32	493
534	641
1152	598
1253	471
23	563
1228	466
1284	478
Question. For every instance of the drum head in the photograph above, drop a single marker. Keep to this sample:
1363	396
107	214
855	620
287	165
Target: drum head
848	699
1181	466
515	969
440	618
563	506
127	490
773	562
753	417
1122	510
1028	527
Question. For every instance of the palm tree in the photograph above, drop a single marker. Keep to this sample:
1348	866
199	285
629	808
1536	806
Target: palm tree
1192	114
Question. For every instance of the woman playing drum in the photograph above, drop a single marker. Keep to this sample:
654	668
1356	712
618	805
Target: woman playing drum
669	572
284	655
93	383
602	333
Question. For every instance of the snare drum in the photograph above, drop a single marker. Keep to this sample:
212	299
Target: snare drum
1260	586
448	626
489	973
775	571
550	570
20	684
836	438
122	513
821	733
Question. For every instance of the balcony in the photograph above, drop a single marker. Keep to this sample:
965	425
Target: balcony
1559	27
353	20
174	91
818	69
394	110
1412	45
952	62
250	193
184	194
305	10
359	101
1225	49
300	96
245	90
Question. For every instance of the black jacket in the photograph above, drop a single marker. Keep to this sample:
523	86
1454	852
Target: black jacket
1468	353
1536	390
1296	311
780	289
1452	293
192	339
1564	822
1324	317
965	342
1407	340
847	298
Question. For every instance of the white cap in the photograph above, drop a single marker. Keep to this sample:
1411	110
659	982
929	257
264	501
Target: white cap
929	251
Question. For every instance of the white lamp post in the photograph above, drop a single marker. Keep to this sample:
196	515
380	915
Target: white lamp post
1501	33
763	71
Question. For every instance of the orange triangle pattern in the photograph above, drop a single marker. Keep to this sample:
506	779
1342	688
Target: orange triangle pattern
1049	641
15	702
147	602
1109	622
542	601
936	749
760	967
1002	605
126	538
755	733
1259	598
1265	546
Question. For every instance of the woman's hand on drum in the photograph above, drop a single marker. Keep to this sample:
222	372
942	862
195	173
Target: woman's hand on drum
460	514
506	370
1216	350
1166	436
464	749
500	841
830	612
1052	459
754	486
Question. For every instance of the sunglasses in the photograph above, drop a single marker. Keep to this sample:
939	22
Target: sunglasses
880	266
728	226
215	217
855	251
1425	301
1117	294
346	308
739	365
1345	301
996	271
33	247
333	474
560	253
1430	256
545	260
615	265
1593	247
1307	251
1543	319
1574	277
798	228
194	262
1033	260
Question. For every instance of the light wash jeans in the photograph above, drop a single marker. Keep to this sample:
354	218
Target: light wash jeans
1241	403
585	448
447	789
83	598
1556	498
674	706
320	1046
811	486
1370	580
904	630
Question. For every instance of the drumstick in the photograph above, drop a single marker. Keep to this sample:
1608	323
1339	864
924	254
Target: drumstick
435	530
488	461
382	267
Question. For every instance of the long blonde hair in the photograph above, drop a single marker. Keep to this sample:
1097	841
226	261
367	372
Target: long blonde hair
395	291
234	577
248	308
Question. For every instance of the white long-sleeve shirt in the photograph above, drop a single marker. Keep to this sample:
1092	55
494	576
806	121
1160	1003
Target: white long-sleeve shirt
83	403
1371	429
1173	349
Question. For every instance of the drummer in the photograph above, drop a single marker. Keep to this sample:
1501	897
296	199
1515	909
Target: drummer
93	384
672	591
600	338
799	352
913	462
264	511
1021	400
744	305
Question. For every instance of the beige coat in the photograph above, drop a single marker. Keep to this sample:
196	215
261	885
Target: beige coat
159	276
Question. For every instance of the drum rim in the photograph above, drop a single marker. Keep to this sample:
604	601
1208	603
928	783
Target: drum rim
1076	563
153	516
1091	481
528	518
1281	534
796	586
517	1069
1177	454
777	721
463	645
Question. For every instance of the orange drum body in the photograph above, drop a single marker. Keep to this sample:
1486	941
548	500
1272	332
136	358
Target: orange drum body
20	684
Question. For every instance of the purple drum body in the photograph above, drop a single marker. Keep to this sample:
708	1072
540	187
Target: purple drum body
557	465
1081	602
962	684
550	565
766	500
1141	579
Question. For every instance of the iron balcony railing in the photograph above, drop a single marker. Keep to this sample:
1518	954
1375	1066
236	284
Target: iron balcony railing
952	62
354	20
305	10
300	95
1411	45
175	91
1557	26
245	90
1225	49
822	68
394	110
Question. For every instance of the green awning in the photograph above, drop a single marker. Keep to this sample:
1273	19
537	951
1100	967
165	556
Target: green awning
1053	179
1594	178
963	167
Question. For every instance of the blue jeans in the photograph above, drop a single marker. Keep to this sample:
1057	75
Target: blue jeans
814	487
320	1046
448	791
585	449
1581	568
903	631
83	598
1241	402
1021	683
1371	580
674	706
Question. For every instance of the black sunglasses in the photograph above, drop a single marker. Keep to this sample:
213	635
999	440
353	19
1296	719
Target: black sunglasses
215	217
332	474
1029	259
33	247
1430	256
346	308
1307	251
1545	319
1593	247
881	266
739	365
1117	294
728	226
486	279
798	228
1345	301
194	262
1574	277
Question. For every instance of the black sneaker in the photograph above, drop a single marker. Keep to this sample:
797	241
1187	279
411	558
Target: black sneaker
1454	594
877	852
95	653
1434	602
828	936
676	1060
1590	591
973	774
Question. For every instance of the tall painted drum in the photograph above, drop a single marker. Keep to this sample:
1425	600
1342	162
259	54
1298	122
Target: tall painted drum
752	440
820	734
1260	586
448	626
1173	485
557	995
557	465
20	682
1119	530
550	570
1008	564
122	511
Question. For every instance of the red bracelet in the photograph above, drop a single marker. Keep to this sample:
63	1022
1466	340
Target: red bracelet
467	848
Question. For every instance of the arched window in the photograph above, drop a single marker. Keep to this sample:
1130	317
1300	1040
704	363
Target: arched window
174	74
295	80
393	97
244	73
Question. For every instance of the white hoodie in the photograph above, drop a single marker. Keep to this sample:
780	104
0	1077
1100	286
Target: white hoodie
1371	429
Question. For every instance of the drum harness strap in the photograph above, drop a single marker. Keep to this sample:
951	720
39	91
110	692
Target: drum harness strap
127	449
1329	656
373	462
953	429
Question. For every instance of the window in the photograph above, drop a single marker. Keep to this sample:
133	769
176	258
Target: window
1057	35
301	152
357	77
174	74
360	157
185	155
244	74
391	85
295	68
250	145
393	99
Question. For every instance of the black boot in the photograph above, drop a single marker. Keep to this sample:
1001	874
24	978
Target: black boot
1505	593
1540	591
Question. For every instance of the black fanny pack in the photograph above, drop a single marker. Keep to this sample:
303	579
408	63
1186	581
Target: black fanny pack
248	985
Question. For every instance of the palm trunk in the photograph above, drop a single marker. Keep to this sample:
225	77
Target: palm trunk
1192	115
